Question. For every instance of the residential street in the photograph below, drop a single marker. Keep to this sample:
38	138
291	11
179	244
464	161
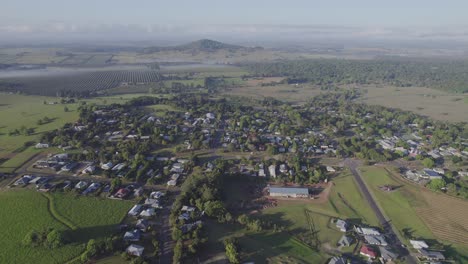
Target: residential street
386	223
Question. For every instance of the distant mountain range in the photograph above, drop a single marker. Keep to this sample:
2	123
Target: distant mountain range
205	45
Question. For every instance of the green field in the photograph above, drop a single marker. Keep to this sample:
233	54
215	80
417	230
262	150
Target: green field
24	210
345	201
410	209
21	110
17	111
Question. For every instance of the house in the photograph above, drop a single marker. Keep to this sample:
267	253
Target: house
172	183
430	174
187	208
89	169
81	185
341	225
135	250
41	145
345	241
154	203
133	236
156	195
418	244
431	255
289	192
148	212
142	224
138	192
189	227
368	252
135	210
386	254
106	166
122	193
24	180
92	188
272	170
283	168
375	240
337	260
366	231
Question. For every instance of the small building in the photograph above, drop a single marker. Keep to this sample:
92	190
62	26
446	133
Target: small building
337	260
122	193
375	240
330	169
136	209
431	255
289	192
341	225
133	236
345	241
41	145
366	231
418	244
135	250
387	255
148	212
272	170
142	224
368	252
81	185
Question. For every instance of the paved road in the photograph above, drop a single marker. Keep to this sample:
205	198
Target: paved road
385	223
165	232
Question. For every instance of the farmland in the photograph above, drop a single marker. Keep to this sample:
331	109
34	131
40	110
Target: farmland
421	213
27	210
81	82
424	101
17	111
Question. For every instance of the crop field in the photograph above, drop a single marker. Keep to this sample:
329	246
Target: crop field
424	101
25	210
419	212
92	81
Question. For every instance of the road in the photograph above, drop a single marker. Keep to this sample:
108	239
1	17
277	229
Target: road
384	222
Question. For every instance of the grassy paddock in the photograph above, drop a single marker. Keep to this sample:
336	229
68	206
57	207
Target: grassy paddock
421	213
25	210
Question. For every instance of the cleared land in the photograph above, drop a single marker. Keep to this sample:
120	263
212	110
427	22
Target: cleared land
420	213
424	101
25	210
17	111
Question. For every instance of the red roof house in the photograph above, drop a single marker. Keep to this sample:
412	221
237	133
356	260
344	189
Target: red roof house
122	193
368	252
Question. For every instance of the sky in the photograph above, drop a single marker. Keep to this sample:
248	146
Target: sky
28	18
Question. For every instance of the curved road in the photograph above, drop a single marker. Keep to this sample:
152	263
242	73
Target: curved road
386	224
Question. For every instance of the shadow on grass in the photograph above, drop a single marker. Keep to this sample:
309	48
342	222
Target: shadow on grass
83	235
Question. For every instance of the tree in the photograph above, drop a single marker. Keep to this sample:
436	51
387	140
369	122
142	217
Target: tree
55	239
177	252
65	109
436	184
428	162
231	251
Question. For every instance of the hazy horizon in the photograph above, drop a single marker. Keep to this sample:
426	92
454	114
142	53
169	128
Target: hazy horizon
156	22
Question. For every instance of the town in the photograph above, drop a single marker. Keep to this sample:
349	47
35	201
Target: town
171	166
